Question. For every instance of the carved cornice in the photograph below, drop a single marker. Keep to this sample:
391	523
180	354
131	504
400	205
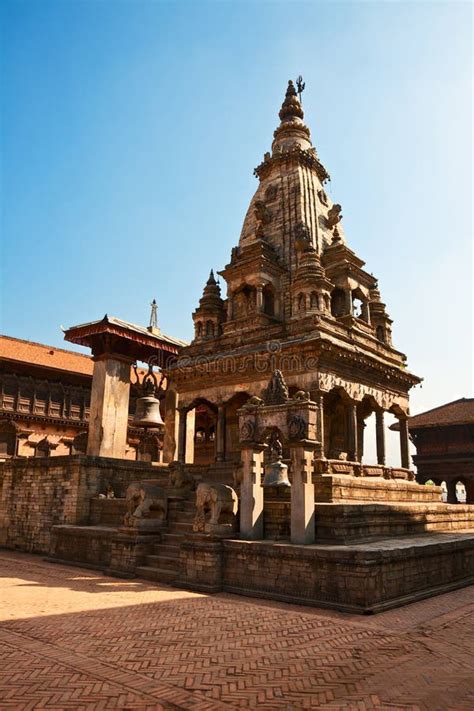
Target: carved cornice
297	155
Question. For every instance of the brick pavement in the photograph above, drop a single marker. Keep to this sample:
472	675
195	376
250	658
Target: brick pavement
75	639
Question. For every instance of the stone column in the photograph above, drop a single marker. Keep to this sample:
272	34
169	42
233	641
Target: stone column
220	434
380	436
260	297
451	491
352	432
169	444
190	428
348	294
365	313
404	451
251	493
182	414
110	395
302	493
319	399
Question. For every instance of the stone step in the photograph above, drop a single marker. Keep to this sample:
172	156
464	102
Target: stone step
156	574
181	527
166	549
177	515
172	539
163	562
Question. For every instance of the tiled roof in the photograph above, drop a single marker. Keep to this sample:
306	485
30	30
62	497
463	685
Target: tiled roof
458	412
16	349
126	325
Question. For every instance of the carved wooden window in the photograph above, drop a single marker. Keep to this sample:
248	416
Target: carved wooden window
76	405
10	389
26	394
56	403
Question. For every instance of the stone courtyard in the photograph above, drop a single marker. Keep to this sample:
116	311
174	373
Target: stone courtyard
74	638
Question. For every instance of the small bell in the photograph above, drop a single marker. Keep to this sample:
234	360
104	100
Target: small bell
147	413
276	474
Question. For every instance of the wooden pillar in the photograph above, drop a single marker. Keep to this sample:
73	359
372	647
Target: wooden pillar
404	451
183	413
110	396
220	434
302	494
251	493
352	432
380	436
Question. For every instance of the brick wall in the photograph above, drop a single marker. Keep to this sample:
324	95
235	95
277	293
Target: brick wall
36	494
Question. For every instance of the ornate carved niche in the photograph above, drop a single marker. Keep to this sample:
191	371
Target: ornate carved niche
323	198
271	193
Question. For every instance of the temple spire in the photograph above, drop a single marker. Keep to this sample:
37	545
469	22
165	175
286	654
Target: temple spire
292	131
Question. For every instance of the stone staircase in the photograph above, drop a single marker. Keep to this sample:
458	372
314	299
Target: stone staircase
221	472
163	565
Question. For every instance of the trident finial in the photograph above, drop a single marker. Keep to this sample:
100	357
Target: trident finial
154	314
300	85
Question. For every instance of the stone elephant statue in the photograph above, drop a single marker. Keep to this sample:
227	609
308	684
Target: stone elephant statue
219	499
145	500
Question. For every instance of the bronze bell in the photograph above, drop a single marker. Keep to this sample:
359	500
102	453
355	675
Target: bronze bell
276	474
147	412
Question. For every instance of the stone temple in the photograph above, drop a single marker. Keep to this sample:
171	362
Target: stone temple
298	299
264	488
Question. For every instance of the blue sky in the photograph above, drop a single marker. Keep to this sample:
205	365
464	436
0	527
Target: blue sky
130	131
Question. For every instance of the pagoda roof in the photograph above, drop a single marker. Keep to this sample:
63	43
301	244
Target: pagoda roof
130	339
458	412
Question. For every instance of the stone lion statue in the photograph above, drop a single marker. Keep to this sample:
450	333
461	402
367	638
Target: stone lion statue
219	499
145	500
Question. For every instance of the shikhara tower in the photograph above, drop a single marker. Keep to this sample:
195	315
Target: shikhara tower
298	299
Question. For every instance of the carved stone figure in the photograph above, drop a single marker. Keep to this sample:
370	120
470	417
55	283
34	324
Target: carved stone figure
218	499
145	500
275	447
302	231
297	427
180	480
277	391
247	431
301	396
334	216
262	213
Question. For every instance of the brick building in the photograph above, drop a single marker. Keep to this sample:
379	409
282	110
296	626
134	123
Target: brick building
45	401
444	441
